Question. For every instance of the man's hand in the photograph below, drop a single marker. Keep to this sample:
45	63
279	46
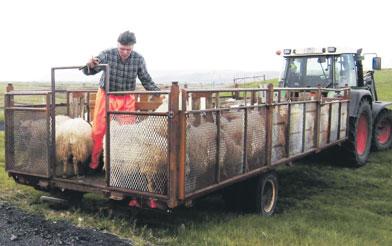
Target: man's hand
93	62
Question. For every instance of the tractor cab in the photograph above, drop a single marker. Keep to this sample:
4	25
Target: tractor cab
326	67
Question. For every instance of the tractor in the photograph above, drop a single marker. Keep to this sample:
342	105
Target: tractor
370	121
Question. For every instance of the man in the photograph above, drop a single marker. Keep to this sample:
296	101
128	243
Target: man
125	65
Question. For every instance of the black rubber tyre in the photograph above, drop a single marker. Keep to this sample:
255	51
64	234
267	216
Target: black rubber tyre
360	135
267	193
382	133
256	195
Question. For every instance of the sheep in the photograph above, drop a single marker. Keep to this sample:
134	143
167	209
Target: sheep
296	129
33	135
60	119
256	138
279	132
201	152
139	149
73	139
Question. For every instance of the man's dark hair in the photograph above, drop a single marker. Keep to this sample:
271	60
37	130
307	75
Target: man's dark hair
127	38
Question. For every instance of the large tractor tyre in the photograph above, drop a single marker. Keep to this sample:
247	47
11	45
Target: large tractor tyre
360	135
382	133
267	193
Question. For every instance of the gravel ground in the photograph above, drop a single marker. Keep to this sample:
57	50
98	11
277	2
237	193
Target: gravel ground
20	228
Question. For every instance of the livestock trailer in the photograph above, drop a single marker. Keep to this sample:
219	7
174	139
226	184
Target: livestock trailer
198	142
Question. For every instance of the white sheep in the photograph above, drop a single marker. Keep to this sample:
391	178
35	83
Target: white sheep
73	139
136	150
139	149
33	135
60	119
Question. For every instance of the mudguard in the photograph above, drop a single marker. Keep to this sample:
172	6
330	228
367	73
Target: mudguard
377	107
356	96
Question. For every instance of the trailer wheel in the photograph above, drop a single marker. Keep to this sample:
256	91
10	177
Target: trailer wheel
267	193
382	138
360	135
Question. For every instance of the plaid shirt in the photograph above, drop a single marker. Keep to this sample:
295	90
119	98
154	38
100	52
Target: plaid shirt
123	74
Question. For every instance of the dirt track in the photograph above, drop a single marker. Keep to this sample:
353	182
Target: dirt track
20	228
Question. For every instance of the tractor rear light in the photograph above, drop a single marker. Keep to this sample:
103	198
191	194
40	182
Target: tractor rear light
331	49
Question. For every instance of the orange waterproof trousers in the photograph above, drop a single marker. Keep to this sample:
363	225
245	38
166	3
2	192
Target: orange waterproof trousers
116	103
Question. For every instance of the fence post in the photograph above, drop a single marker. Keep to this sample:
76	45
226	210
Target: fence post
270	111
9	87
174	126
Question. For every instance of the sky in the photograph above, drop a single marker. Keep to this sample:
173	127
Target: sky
175	35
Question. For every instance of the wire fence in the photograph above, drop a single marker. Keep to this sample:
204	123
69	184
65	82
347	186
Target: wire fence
248	79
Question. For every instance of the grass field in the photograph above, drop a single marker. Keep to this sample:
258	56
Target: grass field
321	202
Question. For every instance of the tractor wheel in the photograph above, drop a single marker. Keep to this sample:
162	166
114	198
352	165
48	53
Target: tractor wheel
267	193
382	134
360	135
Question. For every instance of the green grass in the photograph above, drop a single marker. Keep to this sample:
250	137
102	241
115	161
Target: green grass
321	202
383	84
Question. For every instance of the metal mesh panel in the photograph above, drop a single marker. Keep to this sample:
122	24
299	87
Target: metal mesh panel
28	150
232	138
334	122
279	125
201	151
343	120
296	128
256	138
310	125
324	116
139	153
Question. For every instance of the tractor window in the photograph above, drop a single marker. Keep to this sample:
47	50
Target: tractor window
309	71
294	72
345	70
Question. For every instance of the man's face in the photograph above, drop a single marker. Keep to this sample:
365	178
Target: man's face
124	50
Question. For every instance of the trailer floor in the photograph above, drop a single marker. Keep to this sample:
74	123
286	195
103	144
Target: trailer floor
97	179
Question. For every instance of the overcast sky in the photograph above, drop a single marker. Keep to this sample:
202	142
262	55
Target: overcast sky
184	35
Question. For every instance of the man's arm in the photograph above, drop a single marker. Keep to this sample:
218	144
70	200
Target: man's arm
145	77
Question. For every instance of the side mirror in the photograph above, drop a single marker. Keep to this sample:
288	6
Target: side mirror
376	63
